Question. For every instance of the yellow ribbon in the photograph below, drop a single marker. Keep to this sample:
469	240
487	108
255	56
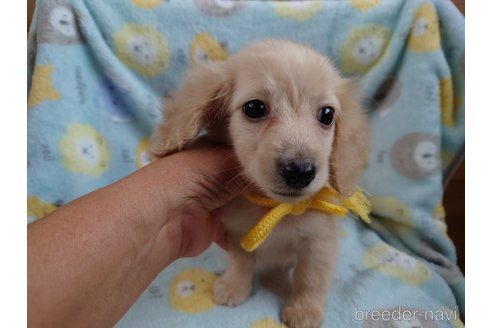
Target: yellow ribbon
356	203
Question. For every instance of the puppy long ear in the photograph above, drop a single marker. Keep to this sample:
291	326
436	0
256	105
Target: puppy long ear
350	148
201	100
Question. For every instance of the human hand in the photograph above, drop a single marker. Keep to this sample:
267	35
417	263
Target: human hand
199	182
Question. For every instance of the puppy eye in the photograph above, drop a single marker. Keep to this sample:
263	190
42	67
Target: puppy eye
325	115
254	109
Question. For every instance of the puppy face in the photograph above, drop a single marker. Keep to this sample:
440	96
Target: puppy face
294	123
283	118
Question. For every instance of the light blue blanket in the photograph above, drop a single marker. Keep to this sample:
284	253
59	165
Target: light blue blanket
100	70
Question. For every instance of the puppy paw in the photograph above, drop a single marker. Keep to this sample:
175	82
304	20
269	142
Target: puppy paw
302	315
230	294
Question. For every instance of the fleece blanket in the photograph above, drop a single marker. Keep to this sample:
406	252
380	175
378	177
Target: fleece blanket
100	71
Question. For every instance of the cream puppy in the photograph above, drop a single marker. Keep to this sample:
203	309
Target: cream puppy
296	126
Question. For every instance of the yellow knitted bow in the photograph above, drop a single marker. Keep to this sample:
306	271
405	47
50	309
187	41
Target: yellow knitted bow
356	203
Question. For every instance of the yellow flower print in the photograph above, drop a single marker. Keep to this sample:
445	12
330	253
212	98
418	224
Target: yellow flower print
84	150
447	102
142	48
192	291
205	47
439	215
364	48
267	323
297	10
391	208
37	208
393	214
42	86
364	4
396	264
142	157
447	157
147	4
425	35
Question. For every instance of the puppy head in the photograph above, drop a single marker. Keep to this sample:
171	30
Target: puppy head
294	123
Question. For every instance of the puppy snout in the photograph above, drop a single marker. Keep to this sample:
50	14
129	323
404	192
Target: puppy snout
297	174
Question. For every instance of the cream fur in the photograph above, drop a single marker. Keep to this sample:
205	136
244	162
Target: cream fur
293	81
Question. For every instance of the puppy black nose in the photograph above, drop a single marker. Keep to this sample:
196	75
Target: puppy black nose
297	174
